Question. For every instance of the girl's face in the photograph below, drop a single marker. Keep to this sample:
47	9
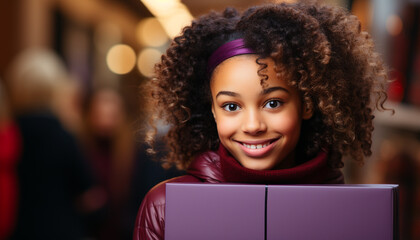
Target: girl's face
259	126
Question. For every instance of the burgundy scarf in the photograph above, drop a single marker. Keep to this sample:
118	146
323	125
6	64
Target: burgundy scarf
313	171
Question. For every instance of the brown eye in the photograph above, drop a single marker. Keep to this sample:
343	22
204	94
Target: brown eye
231	107
273	104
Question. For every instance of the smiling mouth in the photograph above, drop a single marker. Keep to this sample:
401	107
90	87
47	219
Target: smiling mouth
259	145
257	149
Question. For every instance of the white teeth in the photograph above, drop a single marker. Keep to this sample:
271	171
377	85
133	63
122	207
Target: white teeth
259	146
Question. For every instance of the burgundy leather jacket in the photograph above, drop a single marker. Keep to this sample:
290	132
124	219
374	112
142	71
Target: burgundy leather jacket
207	167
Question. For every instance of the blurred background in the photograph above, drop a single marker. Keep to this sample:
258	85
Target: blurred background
71	73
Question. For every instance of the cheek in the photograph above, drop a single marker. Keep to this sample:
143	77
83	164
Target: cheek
225	126
287	124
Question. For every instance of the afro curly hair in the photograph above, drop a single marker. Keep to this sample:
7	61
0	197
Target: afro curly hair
320	49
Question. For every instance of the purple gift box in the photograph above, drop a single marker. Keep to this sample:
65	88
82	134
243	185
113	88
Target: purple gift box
242	211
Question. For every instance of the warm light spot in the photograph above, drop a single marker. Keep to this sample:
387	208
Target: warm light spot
363	11
121	59
147	60
161	7
149	32
174	23
172	14
394	25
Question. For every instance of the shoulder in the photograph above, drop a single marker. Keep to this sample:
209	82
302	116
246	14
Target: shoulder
156	195
207	167
150	222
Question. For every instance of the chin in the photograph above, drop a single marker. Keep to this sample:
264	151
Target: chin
259	166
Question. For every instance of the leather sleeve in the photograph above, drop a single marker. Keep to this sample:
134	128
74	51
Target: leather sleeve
150	222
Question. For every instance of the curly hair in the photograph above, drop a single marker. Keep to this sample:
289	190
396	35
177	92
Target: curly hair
321	50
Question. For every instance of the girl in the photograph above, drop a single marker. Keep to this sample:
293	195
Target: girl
275	95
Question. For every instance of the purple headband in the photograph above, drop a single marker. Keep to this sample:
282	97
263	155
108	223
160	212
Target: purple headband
227	50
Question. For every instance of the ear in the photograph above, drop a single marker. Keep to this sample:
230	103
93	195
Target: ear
307	110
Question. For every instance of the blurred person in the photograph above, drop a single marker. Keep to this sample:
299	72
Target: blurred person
67	105
55	185
10	144
109	147
120	164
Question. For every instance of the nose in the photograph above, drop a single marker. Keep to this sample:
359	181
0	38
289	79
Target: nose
253	123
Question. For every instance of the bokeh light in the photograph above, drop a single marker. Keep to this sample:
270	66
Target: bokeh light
174	23
172	14
149	32
148	57
394	25
121	59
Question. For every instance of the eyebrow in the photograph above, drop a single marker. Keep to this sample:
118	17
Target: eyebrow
263	92
228	93
272	89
